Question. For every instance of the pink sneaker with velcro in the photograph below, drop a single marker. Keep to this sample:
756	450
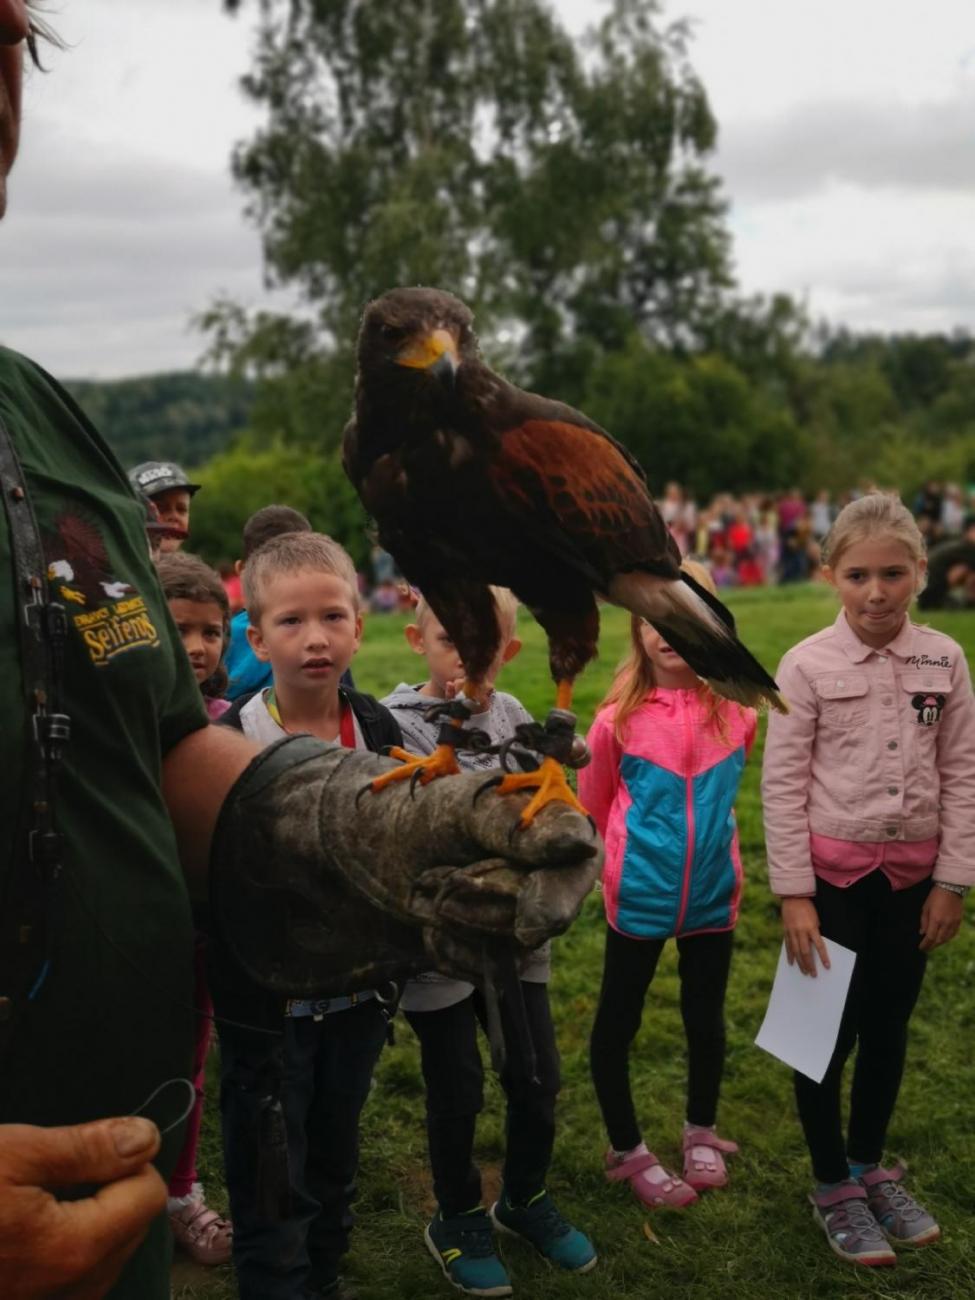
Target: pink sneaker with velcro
704	1154
652	1190
205	1235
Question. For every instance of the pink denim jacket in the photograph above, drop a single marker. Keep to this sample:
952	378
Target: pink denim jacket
878	747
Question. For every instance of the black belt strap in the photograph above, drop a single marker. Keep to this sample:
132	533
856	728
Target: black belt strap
32	875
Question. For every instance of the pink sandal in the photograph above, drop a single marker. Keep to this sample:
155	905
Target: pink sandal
704	1166
670	1190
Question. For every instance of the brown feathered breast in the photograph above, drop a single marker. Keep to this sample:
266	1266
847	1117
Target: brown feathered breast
487	484
473	481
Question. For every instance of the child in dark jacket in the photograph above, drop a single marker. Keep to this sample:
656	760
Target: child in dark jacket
302	601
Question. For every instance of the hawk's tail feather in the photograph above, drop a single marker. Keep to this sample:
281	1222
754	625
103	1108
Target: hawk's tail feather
702	631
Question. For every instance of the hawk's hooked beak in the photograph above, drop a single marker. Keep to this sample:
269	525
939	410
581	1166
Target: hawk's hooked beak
435	352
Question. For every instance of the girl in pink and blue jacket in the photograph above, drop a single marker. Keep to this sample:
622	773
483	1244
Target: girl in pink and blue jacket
667	758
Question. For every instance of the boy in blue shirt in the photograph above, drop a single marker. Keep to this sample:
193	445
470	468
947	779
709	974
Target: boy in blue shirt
245	671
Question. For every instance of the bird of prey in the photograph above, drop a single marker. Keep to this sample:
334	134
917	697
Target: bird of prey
473	481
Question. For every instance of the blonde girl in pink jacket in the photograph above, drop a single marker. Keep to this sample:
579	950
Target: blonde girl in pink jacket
868	788
667	757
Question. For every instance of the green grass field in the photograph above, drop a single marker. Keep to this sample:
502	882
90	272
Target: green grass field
753	1241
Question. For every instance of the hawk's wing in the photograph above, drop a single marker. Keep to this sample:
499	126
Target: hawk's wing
583	498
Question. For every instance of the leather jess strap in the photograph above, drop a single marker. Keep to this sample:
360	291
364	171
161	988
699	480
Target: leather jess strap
31	875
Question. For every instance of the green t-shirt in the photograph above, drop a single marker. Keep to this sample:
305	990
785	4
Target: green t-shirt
113	1019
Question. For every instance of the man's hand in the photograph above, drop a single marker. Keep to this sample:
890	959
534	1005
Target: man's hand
74	1249
800	922
941	917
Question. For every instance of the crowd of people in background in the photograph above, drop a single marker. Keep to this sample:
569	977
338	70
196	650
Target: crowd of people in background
776	538
754	540
765	539
757	539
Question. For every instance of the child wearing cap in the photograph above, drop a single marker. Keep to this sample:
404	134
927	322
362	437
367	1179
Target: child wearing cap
165	484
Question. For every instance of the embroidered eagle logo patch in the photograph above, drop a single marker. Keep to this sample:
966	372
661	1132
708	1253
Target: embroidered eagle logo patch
107	611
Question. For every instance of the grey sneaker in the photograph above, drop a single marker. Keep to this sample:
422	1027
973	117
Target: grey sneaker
851	1230
900	1217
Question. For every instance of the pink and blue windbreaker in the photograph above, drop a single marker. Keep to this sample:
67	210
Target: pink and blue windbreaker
664	804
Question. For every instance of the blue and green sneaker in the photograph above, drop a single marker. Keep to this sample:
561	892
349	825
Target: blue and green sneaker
540	1223
464	1248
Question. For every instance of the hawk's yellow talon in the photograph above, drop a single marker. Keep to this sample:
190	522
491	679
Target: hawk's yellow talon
550	786
442	762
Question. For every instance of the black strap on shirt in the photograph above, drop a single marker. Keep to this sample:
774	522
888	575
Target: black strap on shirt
35	867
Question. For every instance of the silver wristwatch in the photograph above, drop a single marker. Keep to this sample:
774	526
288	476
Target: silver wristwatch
960	890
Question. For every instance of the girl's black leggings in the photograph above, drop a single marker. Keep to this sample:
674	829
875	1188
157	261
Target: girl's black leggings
628	969
881	925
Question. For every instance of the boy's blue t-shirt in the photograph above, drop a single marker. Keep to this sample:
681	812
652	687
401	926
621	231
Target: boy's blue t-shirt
246	672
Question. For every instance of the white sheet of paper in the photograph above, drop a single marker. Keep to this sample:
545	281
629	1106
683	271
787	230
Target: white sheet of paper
802	1022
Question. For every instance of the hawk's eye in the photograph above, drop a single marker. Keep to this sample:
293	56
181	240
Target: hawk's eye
391	332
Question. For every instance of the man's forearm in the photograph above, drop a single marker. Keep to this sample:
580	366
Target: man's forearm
198	773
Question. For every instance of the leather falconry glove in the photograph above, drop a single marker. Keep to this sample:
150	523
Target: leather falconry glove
316	893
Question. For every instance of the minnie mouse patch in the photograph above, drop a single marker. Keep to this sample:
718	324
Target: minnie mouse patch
929	708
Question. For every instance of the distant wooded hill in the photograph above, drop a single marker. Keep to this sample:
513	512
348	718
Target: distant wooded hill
184	416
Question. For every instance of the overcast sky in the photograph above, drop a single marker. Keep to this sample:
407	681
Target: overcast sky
847	149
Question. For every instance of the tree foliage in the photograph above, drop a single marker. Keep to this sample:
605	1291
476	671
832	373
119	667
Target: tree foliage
697	420
182	416
560	189
894	409
244	478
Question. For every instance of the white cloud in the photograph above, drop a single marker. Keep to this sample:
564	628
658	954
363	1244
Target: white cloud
798	153
119	252
885	258
845	146
123	220
759	59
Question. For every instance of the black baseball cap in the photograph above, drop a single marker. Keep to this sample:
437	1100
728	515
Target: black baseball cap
154	476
